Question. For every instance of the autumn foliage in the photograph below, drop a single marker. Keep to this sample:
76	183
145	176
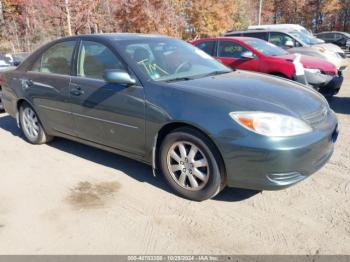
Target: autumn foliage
25	24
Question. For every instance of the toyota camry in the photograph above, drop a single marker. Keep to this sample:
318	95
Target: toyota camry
200	124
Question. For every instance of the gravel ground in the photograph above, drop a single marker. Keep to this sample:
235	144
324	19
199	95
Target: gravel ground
67	198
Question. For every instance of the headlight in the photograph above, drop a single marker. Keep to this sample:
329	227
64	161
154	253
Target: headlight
271	124
313	70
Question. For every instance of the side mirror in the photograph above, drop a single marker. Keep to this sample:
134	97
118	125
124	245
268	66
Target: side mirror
289	44
248	55
115	76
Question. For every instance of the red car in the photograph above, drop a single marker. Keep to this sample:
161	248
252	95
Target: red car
258	55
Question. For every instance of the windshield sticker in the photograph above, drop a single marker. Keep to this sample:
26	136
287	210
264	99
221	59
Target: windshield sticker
152	68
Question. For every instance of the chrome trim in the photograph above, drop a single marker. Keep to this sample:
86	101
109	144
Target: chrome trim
90	117
55	109
107	121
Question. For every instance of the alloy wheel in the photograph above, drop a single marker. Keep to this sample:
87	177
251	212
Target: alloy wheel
30	123
188	165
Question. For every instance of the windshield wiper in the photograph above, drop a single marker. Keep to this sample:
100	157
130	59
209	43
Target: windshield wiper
214	73
178	79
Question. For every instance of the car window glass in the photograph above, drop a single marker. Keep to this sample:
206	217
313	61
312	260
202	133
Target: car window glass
169	60
95	58
265	48
281	39
230	49
207	46
260	35
56	60
338	36
327	36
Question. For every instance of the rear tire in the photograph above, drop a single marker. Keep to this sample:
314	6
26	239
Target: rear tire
31	126
191	164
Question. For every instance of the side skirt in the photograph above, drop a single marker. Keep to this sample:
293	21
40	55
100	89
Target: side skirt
103	147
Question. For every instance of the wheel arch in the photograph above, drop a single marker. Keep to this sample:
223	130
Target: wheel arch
170	127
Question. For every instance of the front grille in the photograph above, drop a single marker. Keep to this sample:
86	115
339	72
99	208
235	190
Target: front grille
315	119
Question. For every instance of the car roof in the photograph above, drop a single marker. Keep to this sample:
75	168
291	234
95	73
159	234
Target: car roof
239	38
262	31
327	32
116	36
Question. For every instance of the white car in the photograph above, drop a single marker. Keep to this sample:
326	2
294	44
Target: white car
281	27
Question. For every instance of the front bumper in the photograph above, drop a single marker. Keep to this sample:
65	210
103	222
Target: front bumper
333	87
325	84
275	163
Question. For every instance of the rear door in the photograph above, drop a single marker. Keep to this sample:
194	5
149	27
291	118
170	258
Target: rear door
230	53
47	83
109	114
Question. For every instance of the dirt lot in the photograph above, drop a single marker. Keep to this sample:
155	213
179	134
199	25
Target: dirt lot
67	198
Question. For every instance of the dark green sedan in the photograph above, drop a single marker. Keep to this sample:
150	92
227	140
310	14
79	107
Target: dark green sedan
166	103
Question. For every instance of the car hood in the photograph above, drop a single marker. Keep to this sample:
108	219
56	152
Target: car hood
321	53
248	91
331	47
313	62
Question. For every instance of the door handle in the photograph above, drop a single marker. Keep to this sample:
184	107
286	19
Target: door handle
77	91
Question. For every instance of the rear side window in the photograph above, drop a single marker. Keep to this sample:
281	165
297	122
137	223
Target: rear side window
260	35
326	36
338	36
207	46
95	58
230	49
56	60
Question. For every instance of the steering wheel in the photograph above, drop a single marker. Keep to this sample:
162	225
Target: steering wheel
181	66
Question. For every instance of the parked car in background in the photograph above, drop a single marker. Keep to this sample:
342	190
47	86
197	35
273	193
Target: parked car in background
341	39
293	41
5	64
295	27
258	55
167	103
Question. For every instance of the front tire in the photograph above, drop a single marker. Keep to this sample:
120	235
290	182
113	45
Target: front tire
191	164
31	126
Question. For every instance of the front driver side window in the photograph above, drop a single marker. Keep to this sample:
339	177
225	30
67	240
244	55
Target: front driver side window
281	40
56	60
231	49
95	58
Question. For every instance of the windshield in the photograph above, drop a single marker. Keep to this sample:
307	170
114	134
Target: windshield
307	39
168	59
265	48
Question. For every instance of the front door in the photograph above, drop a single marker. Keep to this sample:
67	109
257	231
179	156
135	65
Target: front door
230	53
109	114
